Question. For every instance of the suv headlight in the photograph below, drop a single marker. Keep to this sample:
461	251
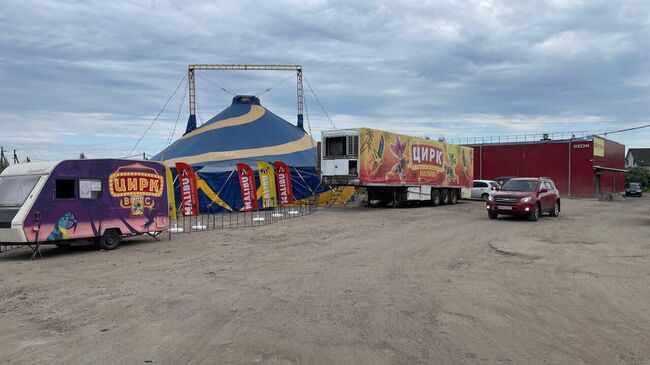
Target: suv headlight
490	198
526	199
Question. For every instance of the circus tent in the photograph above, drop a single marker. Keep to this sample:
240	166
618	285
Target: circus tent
245	132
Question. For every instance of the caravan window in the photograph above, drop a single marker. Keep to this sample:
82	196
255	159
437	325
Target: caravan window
14	190
65	189
90	189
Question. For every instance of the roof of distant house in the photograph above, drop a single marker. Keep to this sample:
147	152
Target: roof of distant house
641	156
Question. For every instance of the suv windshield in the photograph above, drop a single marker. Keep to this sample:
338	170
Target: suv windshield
635	185
519	185
14	190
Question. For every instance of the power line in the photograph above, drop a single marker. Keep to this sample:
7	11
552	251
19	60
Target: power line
178	116
218	86
319	103
198	111
156	118
313	142
307	119
626	129
274	86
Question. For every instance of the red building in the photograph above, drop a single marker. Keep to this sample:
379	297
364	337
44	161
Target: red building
583	168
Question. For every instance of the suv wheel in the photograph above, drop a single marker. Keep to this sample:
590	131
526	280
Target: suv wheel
485	196
534	215
435	197
556	210
493	215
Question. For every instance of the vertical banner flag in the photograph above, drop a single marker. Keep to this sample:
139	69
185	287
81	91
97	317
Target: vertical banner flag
248	187
267	183
171	198
189	192
283	179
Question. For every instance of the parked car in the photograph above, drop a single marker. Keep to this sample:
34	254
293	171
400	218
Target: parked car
528	197
502	179
482	189
632	189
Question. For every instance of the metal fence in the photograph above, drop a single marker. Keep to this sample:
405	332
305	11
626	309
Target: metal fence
531	137
225	220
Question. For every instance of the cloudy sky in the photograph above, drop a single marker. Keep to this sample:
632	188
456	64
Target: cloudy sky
92	76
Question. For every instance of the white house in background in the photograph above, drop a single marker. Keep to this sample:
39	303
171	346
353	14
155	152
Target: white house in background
638	157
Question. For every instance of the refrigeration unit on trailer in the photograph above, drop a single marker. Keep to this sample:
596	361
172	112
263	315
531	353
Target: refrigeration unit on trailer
58	202
396	168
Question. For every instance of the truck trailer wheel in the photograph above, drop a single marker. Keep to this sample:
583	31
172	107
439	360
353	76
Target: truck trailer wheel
110	240
444	197
453	196
435	197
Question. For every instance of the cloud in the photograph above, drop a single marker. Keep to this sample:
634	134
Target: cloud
98	72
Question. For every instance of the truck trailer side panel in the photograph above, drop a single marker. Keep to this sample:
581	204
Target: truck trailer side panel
395	159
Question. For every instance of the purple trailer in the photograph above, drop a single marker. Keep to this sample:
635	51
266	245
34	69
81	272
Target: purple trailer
59	202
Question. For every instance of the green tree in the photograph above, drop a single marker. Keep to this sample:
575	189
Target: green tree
640	175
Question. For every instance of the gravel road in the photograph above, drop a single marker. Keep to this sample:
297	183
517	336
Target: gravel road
442	285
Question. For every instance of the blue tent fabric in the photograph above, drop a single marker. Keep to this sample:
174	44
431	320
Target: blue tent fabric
191	123
245	132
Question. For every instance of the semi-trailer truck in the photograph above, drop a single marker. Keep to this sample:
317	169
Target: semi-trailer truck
396	168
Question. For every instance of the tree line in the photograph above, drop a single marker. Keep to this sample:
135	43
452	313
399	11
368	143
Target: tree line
640	175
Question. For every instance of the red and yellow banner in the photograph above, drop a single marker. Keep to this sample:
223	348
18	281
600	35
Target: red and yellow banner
267	184
248	187
398	159
283	181
189	192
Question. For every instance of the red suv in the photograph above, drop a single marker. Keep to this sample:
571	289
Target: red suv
525	196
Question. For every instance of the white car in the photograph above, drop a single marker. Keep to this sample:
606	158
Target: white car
482	189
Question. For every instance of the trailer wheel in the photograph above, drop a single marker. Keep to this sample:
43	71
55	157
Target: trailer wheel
435	197
453	196
444	197
110	240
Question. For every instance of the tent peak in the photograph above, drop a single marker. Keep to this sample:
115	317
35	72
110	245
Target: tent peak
246	99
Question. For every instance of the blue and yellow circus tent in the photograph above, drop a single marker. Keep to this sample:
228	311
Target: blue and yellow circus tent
245	132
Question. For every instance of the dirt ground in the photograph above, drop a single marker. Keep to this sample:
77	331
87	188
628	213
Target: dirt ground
441	285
